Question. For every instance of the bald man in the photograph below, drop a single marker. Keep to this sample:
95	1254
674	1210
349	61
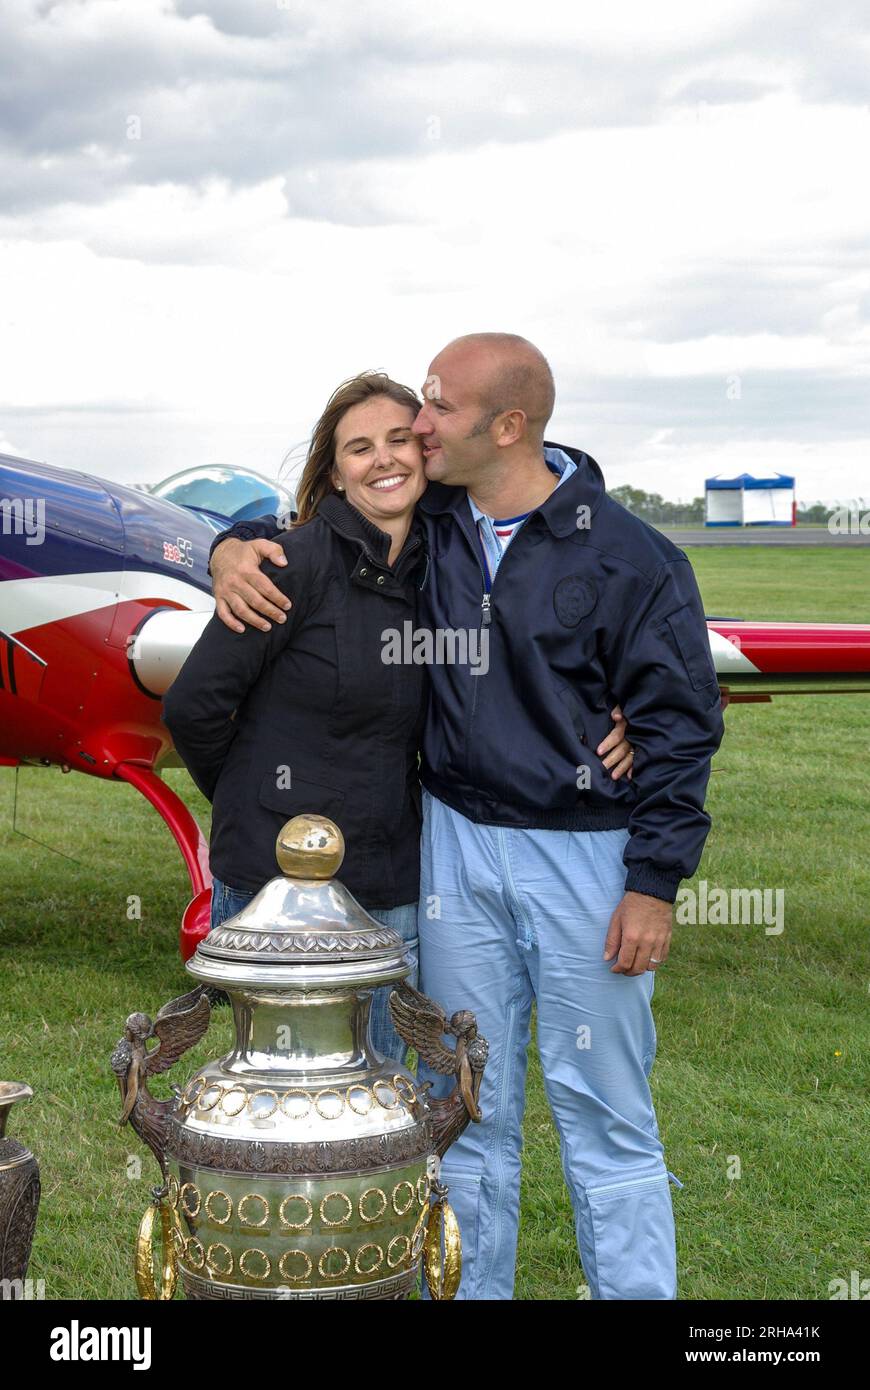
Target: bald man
543	879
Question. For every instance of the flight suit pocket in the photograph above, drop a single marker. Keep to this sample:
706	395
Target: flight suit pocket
633	1232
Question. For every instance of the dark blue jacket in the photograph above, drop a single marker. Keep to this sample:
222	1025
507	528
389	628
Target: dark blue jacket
590	606
306	718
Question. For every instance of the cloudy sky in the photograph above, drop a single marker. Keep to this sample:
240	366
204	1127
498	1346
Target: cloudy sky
211	211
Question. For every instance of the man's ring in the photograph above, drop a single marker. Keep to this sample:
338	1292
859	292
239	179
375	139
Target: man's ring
653	961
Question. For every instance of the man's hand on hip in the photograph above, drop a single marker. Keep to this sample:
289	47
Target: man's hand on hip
243	594
639	934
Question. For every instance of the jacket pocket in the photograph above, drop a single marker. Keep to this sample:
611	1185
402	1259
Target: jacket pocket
572	706
693	645
300	798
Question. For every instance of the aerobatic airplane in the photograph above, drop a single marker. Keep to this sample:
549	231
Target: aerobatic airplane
104	590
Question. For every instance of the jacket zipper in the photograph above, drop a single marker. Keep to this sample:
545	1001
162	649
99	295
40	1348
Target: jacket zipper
399	574
485	622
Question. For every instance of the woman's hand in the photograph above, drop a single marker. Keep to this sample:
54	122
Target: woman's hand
616	752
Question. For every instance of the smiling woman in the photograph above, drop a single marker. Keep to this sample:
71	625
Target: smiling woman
306	716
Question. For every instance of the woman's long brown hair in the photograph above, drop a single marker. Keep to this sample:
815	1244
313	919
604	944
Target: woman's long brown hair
316	480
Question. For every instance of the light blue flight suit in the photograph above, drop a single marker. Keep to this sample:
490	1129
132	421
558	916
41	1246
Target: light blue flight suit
508	916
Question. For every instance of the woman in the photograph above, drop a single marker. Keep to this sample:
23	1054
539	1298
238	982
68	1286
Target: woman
308	717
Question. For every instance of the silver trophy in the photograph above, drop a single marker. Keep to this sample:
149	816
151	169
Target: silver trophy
302	1164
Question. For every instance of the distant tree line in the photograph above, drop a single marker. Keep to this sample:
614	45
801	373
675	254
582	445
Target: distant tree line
657	509
818	513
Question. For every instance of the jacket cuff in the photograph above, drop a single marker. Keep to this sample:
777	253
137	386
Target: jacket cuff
238	532
645	877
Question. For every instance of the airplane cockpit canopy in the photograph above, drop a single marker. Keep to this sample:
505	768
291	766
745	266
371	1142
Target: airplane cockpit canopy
237	493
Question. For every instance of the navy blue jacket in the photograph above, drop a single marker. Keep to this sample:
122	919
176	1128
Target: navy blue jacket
590	607
308	718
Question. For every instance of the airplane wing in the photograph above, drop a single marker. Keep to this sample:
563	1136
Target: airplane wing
755	661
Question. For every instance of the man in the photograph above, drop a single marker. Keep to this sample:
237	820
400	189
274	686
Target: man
542	878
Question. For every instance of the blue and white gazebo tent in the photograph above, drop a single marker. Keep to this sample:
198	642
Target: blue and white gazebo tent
748	501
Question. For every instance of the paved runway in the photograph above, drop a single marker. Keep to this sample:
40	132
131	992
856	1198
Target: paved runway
759	535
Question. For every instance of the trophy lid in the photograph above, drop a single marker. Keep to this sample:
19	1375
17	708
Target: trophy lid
303	928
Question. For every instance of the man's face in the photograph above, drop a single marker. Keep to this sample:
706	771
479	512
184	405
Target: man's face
453	407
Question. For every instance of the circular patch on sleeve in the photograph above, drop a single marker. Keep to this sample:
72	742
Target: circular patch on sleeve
573	598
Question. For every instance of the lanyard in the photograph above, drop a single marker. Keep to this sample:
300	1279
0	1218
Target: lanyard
484	557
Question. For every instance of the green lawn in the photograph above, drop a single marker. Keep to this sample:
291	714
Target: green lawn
763	1039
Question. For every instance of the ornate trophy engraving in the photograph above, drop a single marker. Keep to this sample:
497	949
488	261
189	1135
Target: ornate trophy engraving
301	1165
19	1191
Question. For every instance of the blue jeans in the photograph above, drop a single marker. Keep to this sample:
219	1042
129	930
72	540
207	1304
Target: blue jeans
227	901
507	917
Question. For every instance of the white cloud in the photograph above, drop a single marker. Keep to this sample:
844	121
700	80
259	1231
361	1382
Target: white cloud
662	198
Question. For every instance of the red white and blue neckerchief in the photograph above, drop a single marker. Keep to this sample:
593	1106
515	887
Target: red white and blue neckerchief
495	534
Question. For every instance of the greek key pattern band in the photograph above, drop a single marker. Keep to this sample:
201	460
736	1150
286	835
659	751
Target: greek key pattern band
399	1286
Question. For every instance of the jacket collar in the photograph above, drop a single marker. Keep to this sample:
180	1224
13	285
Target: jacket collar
373	543
351	524
583	488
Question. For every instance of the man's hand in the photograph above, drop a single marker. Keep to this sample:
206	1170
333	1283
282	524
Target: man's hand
243	594
619	752
640	931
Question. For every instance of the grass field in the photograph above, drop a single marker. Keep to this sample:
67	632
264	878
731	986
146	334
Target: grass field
763	1039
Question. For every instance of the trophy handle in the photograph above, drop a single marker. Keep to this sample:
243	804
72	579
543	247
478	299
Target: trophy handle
454	1113
179	1026
421	1024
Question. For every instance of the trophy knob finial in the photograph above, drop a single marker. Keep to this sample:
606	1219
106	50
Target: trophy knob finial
310	847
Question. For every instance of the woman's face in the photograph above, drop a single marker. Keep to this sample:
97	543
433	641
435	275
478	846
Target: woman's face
378	460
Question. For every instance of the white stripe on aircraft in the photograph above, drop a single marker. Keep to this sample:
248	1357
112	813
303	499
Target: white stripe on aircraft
27	603
728	659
